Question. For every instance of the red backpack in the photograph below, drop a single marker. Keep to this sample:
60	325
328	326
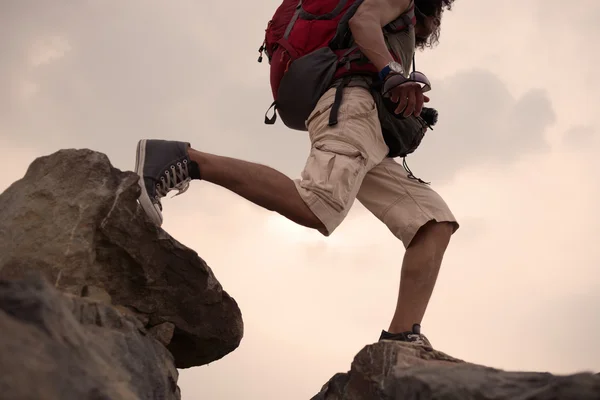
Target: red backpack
309	45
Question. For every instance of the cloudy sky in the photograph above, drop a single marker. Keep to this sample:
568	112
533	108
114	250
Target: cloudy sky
515	155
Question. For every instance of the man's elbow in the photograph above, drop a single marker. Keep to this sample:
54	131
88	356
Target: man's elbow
362	19
363	12
354	23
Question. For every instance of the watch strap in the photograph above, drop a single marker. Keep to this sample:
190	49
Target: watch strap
384	72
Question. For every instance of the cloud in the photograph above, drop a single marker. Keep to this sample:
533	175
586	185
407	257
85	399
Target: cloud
139	71
480	123
132	73
580	137
47	50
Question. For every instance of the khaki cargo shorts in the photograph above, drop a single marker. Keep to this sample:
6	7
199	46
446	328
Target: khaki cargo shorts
349	161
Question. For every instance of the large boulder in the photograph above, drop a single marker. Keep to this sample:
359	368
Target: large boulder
75	218
57	346
390	370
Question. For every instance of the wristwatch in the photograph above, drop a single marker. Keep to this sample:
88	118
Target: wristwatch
392	67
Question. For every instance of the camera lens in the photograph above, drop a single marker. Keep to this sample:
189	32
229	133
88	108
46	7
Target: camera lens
429	115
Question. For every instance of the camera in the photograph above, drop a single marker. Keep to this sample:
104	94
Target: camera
429	115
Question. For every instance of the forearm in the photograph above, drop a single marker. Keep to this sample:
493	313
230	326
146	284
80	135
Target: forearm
366	26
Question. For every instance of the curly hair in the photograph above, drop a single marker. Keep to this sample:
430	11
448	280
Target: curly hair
431	10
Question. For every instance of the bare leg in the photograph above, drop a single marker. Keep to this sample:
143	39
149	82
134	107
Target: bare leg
420	269
257	183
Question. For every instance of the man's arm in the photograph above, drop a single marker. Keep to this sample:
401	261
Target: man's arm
366	26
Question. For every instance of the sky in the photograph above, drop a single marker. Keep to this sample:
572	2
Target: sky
514	154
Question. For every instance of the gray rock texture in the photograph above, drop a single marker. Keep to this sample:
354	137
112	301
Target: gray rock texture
56	346
390	370
75	218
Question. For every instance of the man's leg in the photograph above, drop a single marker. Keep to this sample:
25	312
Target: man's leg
420	218
170	165
340	157
420	268
258	183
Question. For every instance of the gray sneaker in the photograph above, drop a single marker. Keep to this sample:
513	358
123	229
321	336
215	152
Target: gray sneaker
162	166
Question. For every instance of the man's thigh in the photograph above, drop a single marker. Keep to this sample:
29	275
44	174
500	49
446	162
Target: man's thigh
340	155
404	205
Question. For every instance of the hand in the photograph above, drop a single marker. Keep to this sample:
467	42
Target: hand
410	98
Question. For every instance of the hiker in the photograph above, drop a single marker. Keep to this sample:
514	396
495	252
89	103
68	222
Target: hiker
348	83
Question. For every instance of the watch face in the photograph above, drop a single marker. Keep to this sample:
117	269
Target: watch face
396	67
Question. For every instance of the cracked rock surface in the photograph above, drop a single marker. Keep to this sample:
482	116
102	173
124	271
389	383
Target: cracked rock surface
57	346
75	218
391	370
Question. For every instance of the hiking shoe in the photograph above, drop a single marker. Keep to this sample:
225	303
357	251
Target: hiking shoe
162	166
415	336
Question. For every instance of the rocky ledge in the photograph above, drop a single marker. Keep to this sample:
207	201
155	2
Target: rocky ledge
74	221
390	370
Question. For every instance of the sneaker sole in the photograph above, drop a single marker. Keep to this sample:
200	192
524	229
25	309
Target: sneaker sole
145	202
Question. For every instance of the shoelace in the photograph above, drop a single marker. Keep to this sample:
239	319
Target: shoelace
415	338
173	179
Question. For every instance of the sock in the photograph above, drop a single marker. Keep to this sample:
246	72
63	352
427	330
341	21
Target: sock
194	170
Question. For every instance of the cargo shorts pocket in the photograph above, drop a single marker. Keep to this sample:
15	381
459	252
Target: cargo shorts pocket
333	172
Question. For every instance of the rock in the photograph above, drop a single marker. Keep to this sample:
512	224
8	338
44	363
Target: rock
143	318
389	370
56	346
96	293
75	218
163	332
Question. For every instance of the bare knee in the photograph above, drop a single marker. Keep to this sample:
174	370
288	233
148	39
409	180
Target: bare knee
434	233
